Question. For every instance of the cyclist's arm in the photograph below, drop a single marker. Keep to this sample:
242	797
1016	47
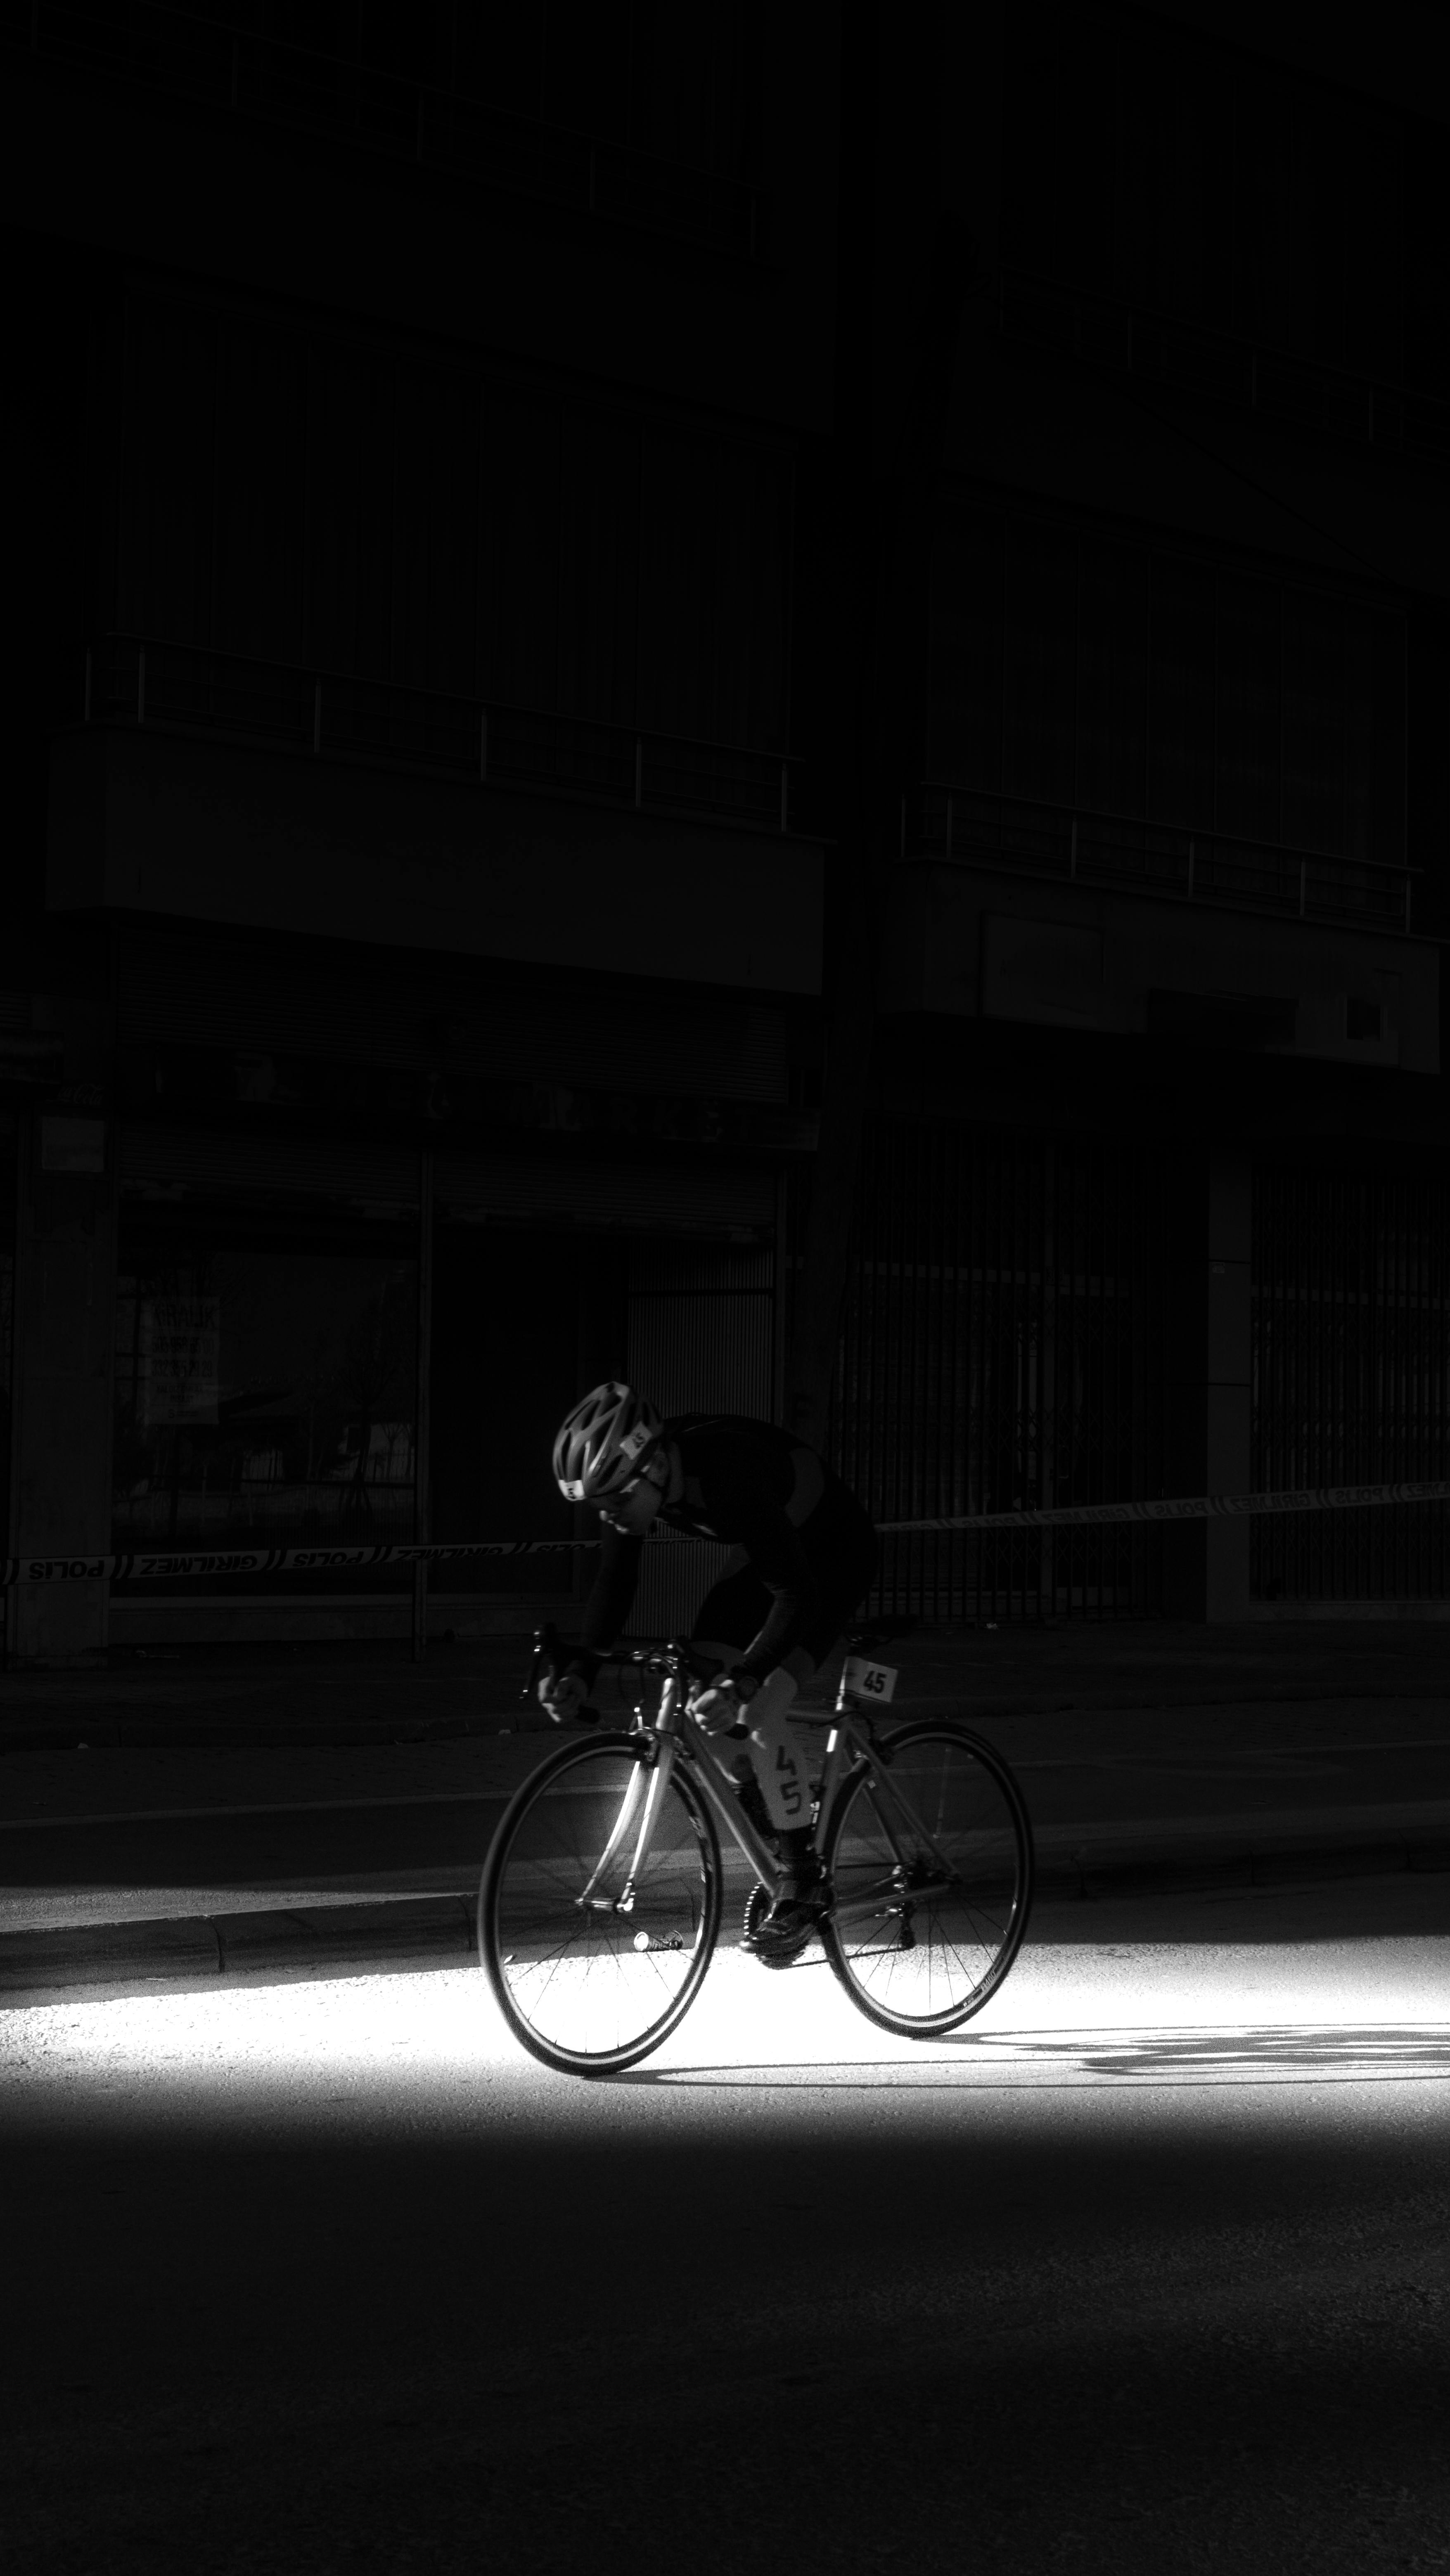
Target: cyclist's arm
610	1599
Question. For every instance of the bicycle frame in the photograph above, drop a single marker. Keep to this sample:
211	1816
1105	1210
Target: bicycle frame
851	1746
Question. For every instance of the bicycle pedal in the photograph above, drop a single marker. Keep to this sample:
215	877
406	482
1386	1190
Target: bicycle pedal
779	1949
781	1954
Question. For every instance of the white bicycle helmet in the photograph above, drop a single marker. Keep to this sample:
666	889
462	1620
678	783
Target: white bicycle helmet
604	1442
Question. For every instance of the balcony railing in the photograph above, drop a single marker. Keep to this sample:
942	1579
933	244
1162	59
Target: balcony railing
1184	357
1164	859
187	688
200	59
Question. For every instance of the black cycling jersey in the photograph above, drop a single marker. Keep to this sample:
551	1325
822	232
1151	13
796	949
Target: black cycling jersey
800	1530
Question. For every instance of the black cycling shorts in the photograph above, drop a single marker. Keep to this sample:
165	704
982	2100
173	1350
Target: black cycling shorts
840	1545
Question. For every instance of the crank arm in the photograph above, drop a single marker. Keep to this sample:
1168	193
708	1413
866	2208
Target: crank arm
865	1909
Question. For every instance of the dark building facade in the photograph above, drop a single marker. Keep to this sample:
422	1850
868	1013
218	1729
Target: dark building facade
609	624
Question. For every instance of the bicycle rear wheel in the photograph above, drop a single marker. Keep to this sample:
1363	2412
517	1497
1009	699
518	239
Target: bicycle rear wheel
930	1855
590	1972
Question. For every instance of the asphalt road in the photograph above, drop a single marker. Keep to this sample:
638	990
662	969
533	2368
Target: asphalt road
417	1820
1146	2270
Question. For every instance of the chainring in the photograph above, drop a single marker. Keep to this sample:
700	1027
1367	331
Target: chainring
756	1904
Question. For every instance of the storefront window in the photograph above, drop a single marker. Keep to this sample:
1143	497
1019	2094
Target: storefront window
265	1397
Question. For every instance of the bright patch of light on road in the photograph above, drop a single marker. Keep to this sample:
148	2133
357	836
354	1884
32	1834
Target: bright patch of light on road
1121	2015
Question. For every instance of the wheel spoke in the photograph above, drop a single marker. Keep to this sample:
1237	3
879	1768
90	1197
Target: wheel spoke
933	1958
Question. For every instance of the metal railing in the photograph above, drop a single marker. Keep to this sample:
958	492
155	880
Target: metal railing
1193	358
188	688
1036	838
207	62
1001	1348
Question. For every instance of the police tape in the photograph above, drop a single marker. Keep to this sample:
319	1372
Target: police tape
1197	1507
141	1565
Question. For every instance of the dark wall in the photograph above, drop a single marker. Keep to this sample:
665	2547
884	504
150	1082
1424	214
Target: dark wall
57	521
1199	180
303	497
1428	765
1095	667
506	1336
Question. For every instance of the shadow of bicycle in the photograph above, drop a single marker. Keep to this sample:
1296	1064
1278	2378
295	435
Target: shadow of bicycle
1262	2053
1283	2048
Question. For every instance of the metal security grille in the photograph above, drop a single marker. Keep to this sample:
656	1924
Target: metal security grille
1002	1350
1351	1294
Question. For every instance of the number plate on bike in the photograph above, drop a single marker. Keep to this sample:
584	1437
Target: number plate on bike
873	1681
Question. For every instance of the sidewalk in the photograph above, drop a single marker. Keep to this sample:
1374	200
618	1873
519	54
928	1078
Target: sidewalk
138	1803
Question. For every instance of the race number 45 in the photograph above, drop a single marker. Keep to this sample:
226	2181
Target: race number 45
870	1681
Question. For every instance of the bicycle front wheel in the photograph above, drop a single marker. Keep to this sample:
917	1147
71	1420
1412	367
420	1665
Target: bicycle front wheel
930	1856
594	1960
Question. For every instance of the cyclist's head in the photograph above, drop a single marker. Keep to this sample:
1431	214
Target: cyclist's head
605	1443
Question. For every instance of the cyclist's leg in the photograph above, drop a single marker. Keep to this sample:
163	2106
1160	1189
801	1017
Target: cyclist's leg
782	1766
733	1611
779	1758
845	1554
842	1546
740	1761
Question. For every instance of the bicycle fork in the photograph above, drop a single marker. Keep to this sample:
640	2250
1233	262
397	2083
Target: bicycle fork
651	1778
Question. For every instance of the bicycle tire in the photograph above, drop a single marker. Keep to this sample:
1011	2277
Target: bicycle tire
923	1965
592	1992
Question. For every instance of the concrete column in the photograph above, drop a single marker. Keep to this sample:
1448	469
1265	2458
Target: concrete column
65	1266
1209	1390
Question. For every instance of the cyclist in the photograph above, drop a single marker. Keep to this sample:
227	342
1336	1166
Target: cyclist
804	1551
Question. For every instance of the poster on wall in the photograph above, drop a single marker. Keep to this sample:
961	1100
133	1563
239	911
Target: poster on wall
179	1353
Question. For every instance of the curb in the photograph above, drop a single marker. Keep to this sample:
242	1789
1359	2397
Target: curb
405	1934
311	1941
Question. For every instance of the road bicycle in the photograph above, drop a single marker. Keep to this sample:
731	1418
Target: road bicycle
602	1895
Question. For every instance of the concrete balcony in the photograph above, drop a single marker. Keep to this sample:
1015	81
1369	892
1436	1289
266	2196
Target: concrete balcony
1321	966
175	822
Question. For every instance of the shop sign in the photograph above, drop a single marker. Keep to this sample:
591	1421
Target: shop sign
180	1349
